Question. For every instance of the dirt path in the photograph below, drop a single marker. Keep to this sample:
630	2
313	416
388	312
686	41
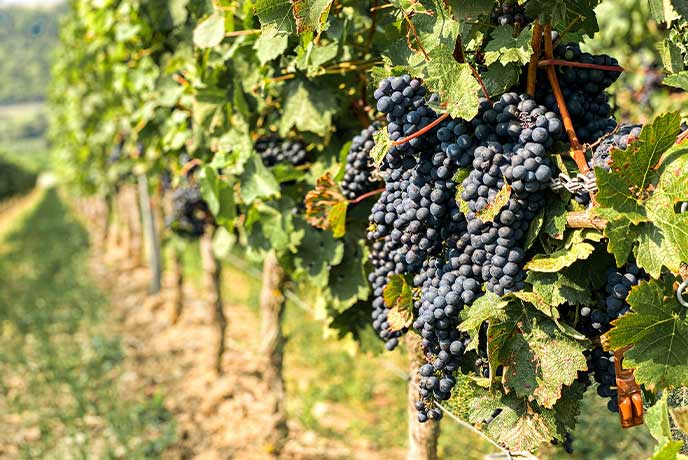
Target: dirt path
218	417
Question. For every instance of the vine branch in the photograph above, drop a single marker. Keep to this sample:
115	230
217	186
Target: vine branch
536	44
366	195
581	219
584	65
421	131
578	154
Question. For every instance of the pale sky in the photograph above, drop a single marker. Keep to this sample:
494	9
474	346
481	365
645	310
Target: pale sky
29	2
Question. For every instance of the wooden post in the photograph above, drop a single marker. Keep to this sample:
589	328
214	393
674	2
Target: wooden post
107	221
422	443
178	295
131	207
151	235
272	350
212	271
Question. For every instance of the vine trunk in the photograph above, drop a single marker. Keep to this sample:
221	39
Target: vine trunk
272	349
422	443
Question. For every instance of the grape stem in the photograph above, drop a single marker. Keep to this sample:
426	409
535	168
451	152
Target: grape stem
422	131
562	62
366	195
190	166
482	84
578	154
536	43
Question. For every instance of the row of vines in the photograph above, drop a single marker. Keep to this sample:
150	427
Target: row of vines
449	171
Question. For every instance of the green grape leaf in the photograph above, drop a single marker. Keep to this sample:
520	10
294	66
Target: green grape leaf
277	14
681	7
398	298
270	225
317	252
336	219
348	279
382	145
657	421
500	78
313	57
455	84
308	108
534	229
178	11
565	257
219	195
538	358
672	60
270	44
210	31
464	9
311	15
654	250
223	242
555	219
489	306
257	181
657	328
679	80
634	171
326	207
620	234
568	408
504	48
661	10
519	426
489	212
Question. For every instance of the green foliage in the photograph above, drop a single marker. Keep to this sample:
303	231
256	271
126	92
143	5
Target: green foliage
171	80
658	330
27	41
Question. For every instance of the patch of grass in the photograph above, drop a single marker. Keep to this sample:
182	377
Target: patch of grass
31	154
60	368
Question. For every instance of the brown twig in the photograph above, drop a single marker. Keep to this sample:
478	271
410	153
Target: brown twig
581	219
239	33
366	195
381	7
422	131
412	29
536	44
565	31
190	166
481	83
578	153
682	137
561	62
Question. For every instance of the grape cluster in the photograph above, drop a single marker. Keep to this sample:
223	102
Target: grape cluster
190	213
274	150
596	321
417	227
359	170
510	13
116	153
619	284
618	140
601	363
584	92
